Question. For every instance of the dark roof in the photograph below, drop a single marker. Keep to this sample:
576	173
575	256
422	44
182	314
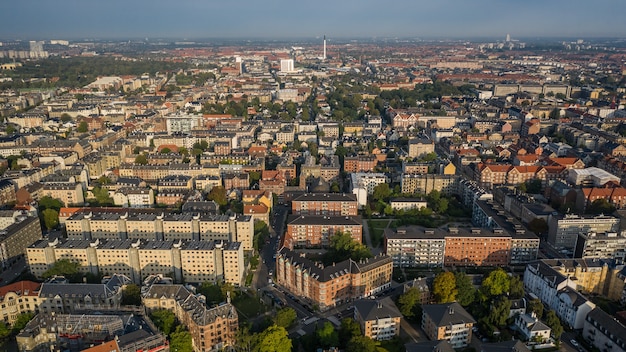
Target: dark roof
325	220
448	313
330	197
429	346
374	309
506	346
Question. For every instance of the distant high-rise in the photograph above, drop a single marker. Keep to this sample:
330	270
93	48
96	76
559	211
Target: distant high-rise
286	65
508	37
324	56
36	50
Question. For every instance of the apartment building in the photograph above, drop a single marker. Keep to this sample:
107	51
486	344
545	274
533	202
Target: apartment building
379	319
18	298
188	261
359	163
426	183
448	322
156	224
315	231
554	282
134	197
420	146
69	194
333	204
211	329
408	203
610	245
16	237
327	286
417	246
563	230
604	332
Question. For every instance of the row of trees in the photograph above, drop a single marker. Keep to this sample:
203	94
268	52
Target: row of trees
177	334
348	338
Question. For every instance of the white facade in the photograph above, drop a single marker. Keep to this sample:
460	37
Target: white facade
286	65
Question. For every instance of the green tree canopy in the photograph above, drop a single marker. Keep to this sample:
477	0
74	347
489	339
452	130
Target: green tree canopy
64	267
82	127
516	287
165	150
349	328
536	306
285	317
496	283
218	195
466	291
180	340
361	344
21	321
211	292
444	287
141	159
327	335
382	192
343	246
273	339
50	218
553	321
499	312
164	320
409	301
47	202
131	295
4	330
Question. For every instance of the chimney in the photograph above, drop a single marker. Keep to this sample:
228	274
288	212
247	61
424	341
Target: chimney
451	310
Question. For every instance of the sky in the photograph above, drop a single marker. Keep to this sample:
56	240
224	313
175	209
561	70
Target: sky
280	19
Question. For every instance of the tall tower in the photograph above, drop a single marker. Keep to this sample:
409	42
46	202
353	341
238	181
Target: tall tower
508	38
324	57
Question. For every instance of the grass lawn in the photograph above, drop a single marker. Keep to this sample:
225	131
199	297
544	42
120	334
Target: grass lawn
249	306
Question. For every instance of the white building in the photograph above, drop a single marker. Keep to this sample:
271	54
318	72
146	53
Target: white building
363	183
591	176
532	328
286	65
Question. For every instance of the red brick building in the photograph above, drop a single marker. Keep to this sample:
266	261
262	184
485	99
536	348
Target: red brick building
334	204
359	163
314	231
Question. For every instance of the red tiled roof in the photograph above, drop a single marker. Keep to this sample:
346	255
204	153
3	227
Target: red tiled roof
26	288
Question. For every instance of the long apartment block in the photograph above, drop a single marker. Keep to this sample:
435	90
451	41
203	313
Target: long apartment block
417	246
185	261
155	225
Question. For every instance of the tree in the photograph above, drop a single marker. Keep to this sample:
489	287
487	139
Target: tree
285	317
327	335
600	206
10	129
343	246
164	320
536	306
261	232
361	344
274	339
47	202
63	267
444	287
228	290
466	291
65	117
82	127
429	157
555	114
165	150
254	177
554	323
211	292
245	340
381	192
408	301
499	312
538	225
102	196
131	295
180	340
516	288
349	328
21	321
50	218
218	195
496	283
141	159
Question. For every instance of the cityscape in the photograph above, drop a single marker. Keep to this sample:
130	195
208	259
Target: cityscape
322	194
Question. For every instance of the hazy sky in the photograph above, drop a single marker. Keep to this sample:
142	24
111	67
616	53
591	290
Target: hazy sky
75	19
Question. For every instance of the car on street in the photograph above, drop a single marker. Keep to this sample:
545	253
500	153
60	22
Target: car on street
574	342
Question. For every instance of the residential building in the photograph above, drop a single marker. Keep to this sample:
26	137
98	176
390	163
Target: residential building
591	176
532	329
7	192
420	147
189	261
211	329
477	247
408	203
604	332
360	163
448	322
610	245
134	197
60	297
563	230
17	237
424	184
327	286
18	298
69	194
415	246
157	224
379	319
314	231
333	204
554	283
362	184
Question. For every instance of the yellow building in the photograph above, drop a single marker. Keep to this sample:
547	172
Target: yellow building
379	319
18	298
184	261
